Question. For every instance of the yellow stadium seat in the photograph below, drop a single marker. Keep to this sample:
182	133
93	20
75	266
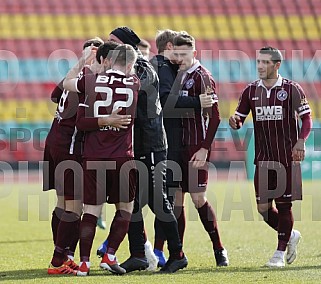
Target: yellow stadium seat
262	22
311	23
26	110
296	26
45	111
315	105
223	27
252	33
236	26
163	22
9	110
193	24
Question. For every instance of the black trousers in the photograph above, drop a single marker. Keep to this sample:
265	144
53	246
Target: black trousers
151	190
173	179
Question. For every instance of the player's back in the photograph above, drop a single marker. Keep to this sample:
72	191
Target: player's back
105	93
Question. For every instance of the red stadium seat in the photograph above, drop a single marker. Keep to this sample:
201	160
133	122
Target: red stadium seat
219	25
5	152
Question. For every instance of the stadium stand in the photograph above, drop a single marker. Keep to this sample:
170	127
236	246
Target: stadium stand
32	32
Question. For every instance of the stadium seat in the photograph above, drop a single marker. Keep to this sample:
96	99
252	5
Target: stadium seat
6	155
35	30
8	110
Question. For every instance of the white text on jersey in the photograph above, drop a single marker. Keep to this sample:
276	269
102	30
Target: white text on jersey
269	113
111	79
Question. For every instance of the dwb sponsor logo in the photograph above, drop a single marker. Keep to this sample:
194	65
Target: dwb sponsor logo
269	113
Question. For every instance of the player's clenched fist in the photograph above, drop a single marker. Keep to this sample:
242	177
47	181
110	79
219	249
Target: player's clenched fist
235	122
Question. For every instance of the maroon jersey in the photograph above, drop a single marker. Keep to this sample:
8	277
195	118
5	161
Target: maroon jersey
275	112
199	127
104	93
63	135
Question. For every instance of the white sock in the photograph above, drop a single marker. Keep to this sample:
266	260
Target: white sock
111	257
87	263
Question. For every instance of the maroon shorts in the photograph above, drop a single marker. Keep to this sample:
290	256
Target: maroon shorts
283	184
63	172
109	180
48	170
193	179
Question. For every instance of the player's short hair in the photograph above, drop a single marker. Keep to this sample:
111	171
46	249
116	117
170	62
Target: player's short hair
163	37
123	55
276	55
96	41
183	38
104	50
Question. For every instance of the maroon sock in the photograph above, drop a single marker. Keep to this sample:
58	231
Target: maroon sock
74	239
271	217
67	228
179	212
285	224
87	232
159	244
118	230
58	256
55	220
209	222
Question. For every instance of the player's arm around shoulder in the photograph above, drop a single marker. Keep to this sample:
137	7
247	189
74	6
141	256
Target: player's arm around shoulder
57	93
71	79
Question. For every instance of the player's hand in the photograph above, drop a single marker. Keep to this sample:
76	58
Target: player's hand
298	151
89	54
235	122
199	158
206	100
95	67
115	120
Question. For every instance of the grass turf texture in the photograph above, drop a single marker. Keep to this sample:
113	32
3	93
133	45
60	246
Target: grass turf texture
26	246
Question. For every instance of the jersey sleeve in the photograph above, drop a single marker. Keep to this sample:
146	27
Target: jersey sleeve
213	113
214	122
243	108
85	77
57	92
300	102
83	121
306	126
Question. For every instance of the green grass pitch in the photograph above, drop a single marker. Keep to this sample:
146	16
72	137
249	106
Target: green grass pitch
26	246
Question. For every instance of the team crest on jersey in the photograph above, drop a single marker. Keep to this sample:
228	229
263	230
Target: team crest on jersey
189	84
282	95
